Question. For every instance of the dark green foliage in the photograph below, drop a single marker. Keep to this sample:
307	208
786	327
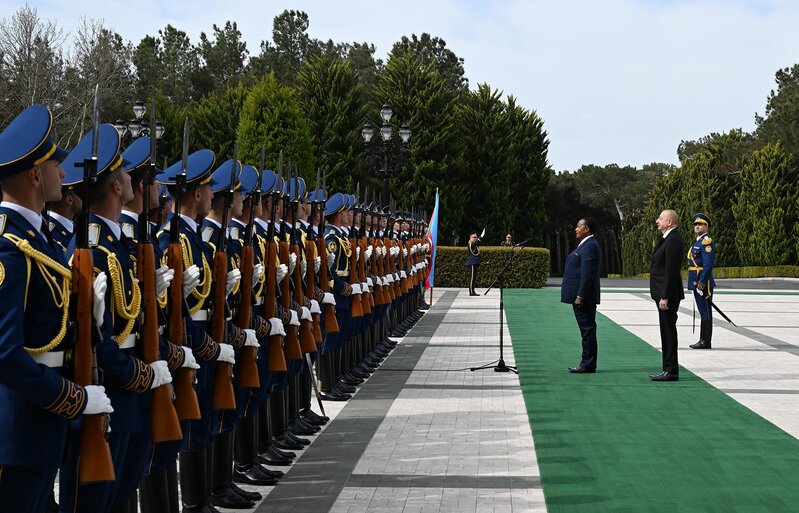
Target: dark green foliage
272	118
782	111
224	55
765	208
169	64
215	121
529	270
433	51
330	95
290	48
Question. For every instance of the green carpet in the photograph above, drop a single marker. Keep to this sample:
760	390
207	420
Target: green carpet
614	441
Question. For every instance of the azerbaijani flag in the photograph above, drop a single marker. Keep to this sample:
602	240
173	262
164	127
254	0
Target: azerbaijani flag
431	239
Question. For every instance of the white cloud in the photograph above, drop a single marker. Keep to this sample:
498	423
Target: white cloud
616	81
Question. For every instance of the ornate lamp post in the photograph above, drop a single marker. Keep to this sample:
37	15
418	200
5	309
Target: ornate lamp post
137	127
387	151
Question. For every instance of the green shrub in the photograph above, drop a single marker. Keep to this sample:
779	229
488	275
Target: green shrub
529	270
771	271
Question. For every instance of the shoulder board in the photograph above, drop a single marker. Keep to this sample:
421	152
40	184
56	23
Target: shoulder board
706	241
3	219
127	229
94	234
51	225
208	232
234	232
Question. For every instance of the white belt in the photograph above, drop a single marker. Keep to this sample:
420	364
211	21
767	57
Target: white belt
129	342
200	315
51	359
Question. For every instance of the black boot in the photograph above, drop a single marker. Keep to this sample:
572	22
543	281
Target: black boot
121	507
223	495
172	487
705	335
154	491
244	469
194	481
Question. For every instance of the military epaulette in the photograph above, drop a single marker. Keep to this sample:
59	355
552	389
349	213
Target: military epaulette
234	233
51	225
127	229
706	241
208	232
94	234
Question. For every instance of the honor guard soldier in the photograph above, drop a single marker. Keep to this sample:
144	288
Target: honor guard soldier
700	277
127	377
196	257
61	216
37	398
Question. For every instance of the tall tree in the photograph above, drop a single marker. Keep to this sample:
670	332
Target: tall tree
224	56
331	97
271	117
766	209
434	51
363	62
290	48
618	189
216	120
782	110
170	63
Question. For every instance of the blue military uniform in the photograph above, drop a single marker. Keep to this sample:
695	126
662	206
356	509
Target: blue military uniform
701	258
37	400
473	261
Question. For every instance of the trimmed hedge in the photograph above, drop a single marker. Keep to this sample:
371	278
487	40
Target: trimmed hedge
529	270
770	271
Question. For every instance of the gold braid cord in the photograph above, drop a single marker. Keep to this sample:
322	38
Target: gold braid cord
205	285
128	311
60	292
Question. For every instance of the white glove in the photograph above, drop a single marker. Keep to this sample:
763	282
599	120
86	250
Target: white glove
303	268
295	321
396	277
364	287
233	277
329	299
162	375
370	282
306	314
252	339
292	263
394	250
98	306
384	251
315	307
413	249
404	252
226	354
389	278
188	358
257	272
369	251
96	400
356	288
276	327
384	280
282	271
317	264
426	247
403	274
191	278
331	259
163	277
358	253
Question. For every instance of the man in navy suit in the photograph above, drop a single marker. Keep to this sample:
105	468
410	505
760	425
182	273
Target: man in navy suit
665	288
580	288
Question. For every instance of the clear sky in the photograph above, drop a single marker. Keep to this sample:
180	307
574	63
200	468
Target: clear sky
616	81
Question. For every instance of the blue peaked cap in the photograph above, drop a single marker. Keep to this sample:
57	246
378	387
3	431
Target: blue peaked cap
27	141
198	170
109	157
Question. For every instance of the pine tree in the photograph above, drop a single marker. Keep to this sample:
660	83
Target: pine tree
215	121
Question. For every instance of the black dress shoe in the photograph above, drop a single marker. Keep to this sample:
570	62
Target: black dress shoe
309	415
657	374
700	345
277	474
473	294
273	460
227	498
334	395
253	496
665	376
291	437
252	475
302	422
281	443
579	369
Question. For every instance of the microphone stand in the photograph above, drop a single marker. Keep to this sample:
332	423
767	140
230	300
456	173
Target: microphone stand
499	365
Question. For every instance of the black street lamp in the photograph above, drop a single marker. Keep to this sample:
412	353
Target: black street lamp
387	151
138	127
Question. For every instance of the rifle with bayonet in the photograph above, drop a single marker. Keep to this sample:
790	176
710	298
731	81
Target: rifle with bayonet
291	345
357	308
366	296
276	359
307	342
331	324
186	404
95	462
164	418
311	255
224	397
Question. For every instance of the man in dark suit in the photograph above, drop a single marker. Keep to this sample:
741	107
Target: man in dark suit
665	287
580	288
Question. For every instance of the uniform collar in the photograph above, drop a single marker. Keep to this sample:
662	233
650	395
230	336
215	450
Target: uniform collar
190	222
234	220
132	215
263	224
34	218
68	224
113	226
701	237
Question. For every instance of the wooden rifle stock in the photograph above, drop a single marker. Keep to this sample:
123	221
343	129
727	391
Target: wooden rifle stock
366	297
186	404
310	286
223	396
356	308
292	344
95	462
307	342
165	422
276	358
248	369
331	324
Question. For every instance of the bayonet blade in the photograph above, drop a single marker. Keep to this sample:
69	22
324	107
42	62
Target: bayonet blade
96	122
